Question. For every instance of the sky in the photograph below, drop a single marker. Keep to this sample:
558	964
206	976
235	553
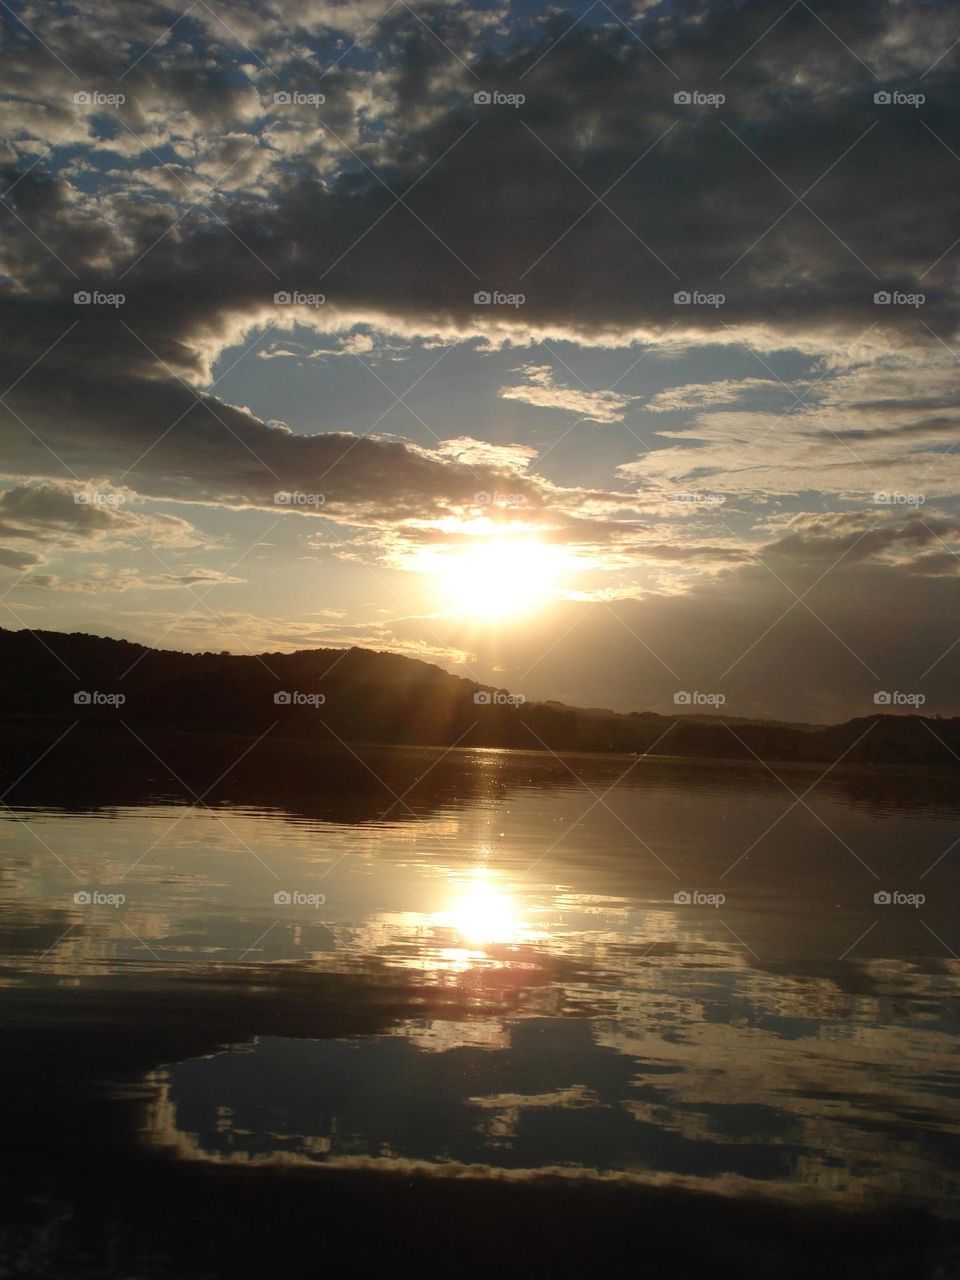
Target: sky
605	352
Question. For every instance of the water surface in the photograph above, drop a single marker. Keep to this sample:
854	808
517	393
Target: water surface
661	970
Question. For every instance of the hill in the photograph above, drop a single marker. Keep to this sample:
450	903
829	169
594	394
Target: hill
359	695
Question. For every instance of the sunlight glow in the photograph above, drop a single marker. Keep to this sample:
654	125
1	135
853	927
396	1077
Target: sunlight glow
483	913
499	576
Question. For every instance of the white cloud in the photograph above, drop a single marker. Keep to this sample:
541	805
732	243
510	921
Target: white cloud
541	391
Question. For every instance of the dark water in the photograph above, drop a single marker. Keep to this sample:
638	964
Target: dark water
672	972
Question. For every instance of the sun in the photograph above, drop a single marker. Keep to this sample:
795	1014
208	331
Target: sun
483	911
499	576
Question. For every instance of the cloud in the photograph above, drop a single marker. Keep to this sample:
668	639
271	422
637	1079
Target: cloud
104	579
170	444
199	198
514	458
863	627
855	536
706	395
13	559
710	205
541	391
76	514
702	204
42	519
880	426
277	352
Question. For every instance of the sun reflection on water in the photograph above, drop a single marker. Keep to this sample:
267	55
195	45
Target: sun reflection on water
483	912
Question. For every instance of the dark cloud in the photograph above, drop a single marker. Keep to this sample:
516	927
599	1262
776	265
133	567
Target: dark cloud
39	520
868	536
862	629
493	206
11	559
165	442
